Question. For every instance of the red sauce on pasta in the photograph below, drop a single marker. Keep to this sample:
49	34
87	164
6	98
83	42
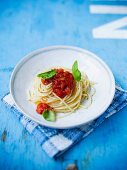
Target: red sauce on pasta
62	83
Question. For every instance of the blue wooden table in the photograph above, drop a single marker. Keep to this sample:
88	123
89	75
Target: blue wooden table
26	25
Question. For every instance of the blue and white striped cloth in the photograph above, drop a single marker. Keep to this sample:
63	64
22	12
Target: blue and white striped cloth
54	141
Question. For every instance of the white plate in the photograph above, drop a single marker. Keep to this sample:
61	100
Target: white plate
63	56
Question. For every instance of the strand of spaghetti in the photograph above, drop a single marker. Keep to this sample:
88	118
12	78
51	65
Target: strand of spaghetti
74	94
62	108
88	104
76	98
63	102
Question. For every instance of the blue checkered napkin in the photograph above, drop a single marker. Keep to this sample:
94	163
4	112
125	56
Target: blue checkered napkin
54	141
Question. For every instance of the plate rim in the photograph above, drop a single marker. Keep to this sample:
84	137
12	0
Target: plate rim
26	57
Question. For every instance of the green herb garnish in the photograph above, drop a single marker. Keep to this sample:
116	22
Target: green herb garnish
47	75
75	71
49	115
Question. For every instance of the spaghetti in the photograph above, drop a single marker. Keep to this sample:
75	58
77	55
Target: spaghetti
61	93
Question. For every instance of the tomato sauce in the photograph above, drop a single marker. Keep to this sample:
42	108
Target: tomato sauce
62	83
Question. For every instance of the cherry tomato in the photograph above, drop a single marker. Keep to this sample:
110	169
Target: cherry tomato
41	107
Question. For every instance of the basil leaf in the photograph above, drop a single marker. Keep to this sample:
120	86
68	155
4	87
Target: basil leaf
49	115
75	71
47	75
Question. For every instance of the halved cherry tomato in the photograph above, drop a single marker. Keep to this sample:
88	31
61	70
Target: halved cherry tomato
41	107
